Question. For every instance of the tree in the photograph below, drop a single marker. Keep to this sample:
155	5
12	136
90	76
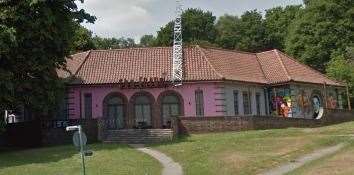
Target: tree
147	41
277	21
113	43
341	67
246	33
228	33
197	25
322	28
82	40
35	38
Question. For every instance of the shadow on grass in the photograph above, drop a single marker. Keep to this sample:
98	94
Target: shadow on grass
51	154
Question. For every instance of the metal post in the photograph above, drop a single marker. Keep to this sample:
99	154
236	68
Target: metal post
82	152
348	98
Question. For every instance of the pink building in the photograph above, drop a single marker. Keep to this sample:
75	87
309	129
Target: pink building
132	86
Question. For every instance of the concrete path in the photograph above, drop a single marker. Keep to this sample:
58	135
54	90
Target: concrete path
169	166
283	169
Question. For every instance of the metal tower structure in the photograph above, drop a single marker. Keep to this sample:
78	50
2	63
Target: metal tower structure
177	60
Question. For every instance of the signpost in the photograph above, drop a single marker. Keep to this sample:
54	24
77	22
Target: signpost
80	140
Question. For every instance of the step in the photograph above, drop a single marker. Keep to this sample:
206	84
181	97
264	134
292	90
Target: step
138	135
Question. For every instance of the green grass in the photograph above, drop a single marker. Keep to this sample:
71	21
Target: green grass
241	153
108	159
340	162
249	152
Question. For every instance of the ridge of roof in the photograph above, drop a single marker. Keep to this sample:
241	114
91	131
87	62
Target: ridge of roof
311	69
227	50
207	60
86	57
282	64
131	48
260	65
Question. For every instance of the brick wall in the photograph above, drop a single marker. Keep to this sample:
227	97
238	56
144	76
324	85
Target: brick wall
239	123
54	133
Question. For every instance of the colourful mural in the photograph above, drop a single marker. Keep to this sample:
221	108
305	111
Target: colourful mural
331	101
303	101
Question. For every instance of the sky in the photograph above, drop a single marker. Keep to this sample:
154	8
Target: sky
135	18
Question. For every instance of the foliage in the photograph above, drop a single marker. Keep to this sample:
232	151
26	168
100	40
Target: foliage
341	67
227	31
113	43
35	38
246	33
197	25
322	28
82	40
147	41
277	21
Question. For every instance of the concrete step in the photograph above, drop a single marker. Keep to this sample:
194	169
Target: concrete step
138	135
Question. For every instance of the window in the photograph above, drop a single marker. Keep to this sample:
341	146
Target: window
170	108
246	103
142	109
88	105
258	103
236	102
114	111
199	103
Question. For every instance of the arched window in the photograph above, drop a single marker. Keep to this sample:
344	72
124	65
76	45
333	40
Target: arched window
171	107
142	108
114	111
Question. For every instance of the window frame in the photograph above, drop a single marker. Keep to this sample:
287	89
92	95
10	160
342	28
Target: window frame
247	94
258	103
199	103
236	102
88	106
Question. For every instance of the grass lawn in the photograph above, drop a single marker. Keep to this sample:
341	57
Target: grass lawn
250	152
108	159
340	163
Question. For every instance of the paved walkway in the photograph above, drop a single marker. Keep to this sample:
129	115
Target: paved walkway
283	169
169	166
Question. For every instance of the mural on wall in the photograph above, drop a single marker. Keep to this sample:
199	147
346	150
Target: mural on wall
281	102
331	101
301	102
303	107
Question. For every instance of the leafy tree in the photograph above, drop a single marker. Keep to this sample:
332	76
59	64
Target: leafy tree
35	37
82	40
322	28
197	25
228	33
277	21
246	33
147	41
341	67
113	43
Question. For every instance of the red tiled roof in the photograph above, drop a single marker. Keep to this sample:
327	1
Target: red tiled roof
200	64
279	68
72	64
236	66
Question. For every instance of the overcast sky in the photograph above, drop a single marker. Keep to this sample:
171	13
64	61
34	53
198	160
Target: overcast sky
134	18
